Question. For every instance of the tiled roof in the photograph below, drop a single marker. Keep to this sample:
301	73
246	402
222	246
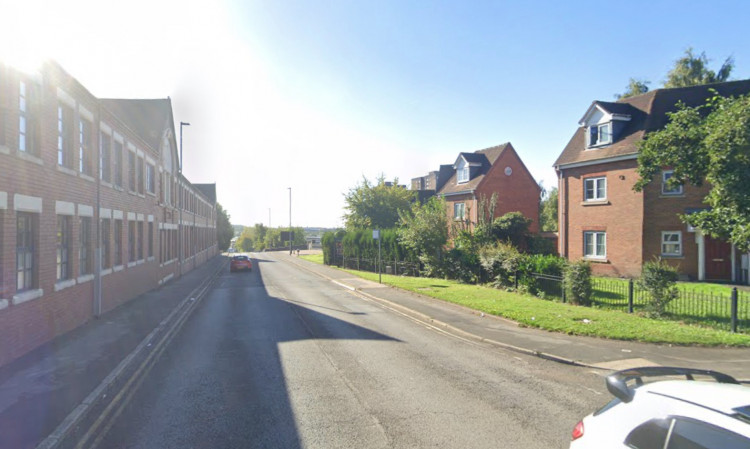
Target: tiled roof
147	118
488	156
208	190
648	113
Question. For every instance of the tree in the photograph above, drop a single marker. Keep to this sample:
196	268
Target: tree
708	143
511	227
548	211
635	87
224	229
245	240
424	230
376	205
692	70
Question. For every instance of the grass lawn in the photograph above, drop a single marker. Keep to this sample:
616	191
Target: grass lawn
557	317
317	258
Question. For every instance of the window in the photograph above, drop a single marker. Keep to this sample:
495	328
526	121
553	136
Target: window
118	242
65	135
131	241
28	130
595	245
150	179
139	172
139	241
118	163
131	171
150	239
600	134
105	158
671	243
84	147
106	251
459	211
650	434
666	175
86	248
63	247
595	189
463	172
684	433
25	236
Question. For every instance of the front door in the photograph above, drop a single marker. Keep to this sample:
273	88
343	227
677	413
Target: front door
718	260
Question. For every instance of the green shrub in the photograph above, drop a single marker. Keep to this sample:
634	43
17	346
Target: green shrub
577	280
659	279
462	265
500	262
537	244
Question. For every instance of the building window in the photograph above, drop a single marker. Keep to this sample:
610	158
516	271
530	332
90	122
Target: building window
105	158
131	241
86	248
65	136
63	247
600	134
28	127
139	242
666	175
84	147
106	237
595	245
462	173
671	243
131	171
150	239
595	189
118	242
151	178
139	173
459	211
118	163
25	236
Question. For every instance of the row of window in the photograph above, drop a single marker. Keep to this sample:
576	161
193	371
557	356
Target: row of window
595	188
595	244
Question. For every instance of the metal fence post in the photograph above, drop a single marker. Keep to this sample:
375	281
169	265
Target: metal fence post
562	287
734	309
630	296
516	280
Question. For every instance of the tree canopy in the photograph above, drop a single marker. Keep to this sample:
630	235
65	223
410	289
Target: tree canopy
224	229
708	143
548	210
635	87
376	205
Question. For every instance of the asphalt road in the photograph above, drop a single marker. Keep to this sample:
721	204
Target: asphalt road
281	358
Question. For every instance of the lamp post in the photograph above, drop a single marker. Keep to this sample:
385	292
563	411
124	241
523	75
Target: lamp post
290	221
180	194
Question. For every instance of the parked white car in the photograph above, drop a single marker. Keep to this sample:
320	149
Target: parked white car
669	414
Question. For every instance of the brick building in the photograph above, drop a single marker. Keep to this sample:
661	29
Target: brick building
603	220
90	202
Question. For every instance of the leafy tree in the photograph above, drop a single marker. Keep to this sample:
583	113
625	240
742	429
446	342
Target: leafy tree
708	143
659	279
424	230
511	227
548	210
224	229
692	70
376	205
635	87
245	240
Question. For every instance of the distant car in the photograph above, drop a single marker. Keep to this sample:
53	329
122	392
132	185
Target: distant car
671	414
240	263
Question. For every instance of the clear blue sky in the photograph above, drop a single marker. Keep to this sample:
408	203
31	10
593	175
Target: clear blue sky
314	95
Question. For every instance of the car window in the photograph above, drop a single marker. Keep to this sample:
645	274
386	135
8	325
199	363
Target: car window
649	435
240	257
693	434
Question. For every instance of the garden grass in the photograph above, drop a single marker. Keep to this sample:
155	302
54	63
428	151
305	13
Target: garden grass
316	258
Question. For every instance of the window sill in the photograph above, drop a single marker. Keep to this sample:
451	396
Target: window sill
132	264
106	184
85	278
140	262
30	158
671	195
66	170
598	145
62	285
596	259
151	259
29	295
596	203
117	268
106	271
86	177
3	304
4	149
672	256
118	188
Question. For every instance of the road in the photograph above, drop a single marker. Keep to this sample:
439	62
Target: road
282	358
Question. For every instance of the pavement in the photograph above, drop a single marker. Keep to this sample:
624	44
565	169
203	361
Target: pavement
46	395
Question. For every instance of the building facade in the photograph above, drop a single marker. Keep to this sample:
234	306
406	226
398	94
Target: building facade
90	201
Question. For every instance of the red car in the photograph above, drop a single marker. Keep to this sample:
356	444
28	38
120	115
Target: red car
240	263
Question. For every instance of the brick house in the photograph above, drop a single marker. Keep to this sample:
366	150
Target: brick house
480	174
601	217
89	205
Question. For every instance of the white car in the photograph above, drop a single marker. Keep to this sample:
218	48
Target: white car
669	414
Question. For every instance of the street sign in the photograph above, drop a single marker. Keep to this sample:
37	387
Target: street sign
376	234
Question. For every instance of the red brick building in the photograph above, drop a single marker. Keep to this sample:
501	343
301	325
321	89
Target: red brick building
90	200
601	217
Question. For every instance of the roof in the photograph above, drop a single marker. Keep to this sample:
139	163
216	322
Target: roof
648	113
208	190
147	118
488	156
717	396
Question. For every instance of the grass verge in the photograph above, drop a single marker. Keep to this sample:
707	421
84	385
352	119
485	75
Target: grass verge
557	317
317	258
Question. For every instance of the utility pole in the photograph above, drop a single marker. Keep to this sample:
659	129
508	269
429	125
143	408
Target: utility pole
290	221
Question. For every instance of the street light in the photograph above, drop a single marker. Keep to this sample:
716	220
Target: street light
179	193
290	221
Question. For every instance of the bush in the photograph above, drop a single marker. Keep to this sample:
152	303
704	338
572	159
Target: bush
577	280
537	244
500	261
659	279
462	265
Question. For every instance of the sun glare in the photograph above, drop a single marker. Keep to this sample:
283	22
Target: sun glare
22	44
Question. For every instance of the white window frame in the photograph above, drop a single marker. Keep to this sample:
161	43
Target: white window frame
462	174
459	207
596	237
598	128
677	243
665	175
596	181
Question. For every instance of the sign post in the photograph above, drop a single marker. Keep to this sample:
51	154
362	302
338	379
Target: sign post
376	236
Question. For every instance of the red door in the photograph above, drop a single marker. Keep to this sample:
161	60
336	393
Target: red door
718	260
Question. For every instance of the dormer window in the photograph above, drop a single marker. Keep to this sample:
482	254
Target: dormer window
600	134
462	172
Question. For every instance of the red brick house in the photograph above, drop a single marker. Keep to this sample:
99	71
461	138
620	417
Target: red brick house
90	194
603	220
480	174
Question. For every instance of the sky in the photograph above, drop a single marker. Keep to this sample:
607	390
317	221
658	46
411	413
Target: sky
315	95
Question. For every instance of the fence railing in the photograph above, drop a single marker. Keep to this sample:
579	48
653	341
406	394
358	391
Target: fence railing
396	267
730	311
